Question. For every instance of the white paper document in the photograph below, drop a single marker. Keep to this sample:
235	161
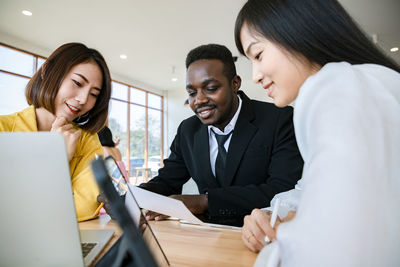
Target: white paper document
132	207
158	203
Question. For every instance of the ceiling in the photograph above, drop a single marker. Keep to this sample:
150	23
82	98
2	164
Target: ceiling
156	35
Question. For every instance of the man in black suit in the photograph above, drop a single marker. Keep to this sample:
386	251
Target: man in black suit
261	157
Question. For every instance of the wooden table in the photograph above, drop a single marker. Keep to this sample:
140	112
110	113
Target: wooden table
189	245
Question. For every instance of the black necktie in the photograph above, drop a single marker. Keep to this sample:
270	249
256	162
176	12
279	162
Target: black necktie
221	157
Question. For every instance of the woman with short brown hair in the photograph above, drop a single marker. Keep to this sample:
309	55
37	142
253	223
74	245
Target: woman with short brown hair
69	94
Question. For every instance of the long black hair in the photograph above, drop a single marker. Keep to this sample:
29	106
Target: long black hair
320	30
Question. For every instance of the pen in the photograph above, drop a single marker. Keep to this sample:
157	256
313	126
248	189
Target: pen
273	218
98	209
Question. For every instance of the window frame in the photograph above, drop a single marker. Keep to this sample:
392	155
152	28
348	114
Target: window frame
147	107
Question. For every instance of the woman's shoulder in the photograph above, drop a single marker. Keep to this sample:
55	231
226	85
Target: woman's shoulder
26	117
335	79
8	117
13	115
7	122
363	71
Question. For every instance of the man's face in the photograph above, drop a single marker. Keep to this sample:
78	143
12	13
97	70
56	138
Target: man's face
212	97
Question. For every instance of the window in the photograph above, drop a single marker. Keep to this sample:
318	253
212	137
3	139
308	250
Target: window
118	122
12	93
40	62
17	62
141	112
131	108
138	96
155	101
16	68
155	137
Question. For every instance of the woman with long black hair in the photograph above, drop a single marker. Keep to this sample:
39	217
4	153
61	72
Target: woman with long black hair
347	125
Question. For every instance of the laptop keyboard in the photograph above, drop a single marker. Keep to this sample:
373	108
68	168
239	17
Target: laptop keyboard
87	247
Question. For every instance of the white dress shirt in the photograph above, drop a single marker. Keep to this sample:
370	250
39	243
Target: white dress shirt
213	141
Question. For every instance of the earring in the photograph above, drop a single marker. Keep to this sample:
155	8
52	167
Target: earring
82	120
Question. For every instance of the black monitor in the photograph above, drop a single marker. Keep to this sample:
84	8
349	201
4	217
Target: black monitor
135	248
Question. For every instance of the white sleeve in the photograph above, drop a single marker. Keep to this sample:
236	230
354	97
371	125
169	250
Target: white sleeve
347	126
289	200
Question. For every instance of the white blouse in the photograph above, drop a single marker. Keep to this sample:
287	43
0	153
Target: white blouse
347	125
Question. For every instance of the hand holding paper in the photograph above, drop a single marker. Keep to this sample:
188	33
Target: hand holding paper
197	204
160	204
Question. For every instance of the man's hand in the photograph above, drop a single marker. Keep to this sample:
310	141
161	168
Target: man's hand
71	135
151	215
197	204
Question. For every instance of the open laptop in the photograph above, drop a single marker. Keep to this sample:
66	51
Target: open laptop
38	225
136	247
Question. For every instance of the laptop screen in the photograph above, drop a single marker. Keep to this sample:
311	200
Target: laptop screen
103	171
38	225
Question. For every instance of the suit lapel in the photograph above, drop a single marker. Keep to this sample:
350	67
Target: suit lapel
241	137
201	151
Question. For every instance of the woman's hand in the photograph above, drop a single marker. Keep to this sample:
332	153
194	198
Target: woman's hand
256	226
71	135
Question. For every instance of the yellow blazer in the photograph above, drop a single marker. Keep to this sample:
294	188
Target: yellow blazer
83	184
